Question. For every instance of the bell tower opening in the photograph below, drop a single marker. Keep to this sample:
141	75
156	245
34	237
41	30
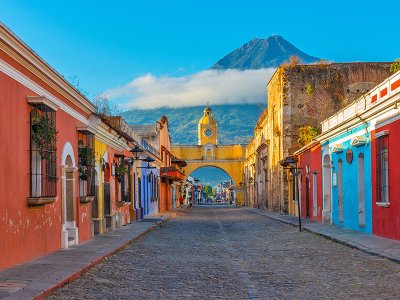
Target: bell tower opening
207	129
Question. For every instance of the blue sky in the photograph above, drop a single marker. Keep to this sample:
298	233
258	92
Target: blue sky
107	44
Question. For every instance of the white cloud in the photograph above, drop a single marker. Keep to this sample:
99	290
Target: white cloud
215	86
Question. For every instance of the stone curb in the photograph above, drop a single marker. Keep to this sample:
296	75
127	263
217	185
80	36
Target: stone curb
95	262
350	244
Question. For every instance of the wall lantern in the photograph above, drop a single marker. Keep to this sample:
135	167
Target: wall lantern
148	160
290	163
136	152
102	163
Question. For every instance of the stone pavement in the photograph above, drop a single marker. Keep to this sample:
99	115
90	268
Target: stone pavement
232	253
371	244
37	278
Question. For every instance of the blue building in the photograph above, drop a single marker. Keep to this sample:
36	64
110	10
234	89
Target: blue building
150	183
346	157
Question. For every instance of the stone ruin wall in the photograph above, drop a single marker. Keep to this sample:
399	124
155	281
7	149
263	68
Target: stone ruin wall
312	93
331	87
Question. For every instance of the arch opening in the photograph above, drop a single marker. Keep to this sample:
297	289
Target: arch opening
215	185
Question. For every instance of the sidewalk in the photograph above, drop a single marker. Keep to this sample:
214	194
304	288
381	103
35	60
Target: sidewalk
37	278
371	244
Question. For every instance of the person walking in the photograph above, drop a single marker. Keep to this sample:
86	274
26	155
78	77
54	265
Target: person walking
181	200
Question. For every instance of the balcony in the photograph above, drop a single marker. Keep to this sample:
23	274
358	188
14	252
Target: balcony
172	173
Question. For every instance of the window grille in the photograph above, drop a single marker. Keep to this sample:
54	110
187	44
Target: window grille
86	167
123	180
382	169
43	151
129	190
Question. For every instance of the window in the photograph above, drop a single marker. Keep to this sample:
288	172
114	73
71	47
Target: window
382	169
86	167
43	150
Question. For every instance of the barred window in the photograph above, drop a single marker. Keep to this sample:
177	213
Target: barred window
43	150
382	169
86	164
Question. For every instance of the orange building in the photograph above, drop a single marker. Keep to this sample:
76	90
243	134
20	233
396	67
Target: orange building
44	123
171	173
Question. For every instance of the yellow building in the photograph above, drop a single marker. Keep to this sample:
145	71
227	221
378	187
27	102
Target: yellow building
256	170
208	153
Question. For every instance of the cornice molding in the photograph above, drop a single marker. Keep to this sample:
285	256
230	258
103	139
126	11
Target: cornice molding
36	88
110	138
26	57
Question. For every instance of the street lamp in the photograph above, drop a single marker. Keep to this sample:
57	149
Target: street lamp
148	160
136	152
290	163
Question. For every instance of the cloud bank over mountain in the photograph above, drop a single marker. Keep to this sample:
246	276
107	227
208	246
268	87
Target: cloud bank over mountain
216	86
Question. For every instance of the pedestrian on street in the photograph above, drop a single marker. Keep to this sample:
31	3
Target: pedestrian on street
181	200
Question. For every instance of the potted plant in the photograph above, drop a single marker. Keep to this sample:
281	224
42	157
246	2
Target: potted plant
86	160
86	156
119	171
44	134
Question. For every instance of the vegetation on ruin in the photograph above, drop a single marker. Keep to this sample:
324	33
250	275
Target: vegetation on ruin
309	89
307	134
395	66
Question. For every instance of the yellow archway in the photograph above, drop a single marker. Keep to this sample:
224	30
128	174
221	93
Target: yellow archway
208	153
229	158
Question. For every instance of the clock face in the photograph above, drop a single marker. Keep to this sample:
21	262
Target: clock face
208	132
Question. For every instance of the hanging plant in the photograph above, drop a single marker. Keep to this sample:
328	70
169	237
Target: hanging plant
83	173
44	134
86	156
119	171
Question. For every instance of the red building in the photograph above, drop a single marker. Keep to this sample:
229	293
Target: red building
309	181
42	120
385	181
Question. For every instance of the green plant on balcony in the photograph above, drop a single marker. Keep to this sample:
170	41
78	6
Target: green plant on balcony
86	162
44	134
119	172
86	156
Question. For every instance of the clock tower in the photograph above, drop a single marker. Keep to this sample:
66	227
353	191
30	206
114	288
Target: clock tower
207	129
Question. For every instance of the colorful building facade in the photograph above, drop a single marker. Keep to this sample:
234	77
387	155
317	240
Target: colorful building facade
309	182
67	173
41	208
304	95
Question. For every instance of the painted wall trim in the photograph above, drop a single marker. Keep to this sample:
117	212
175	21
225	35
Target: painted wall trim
36	88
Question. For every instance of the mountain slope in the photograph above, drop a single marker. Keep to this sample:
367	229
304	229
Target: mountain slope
235	122
262	53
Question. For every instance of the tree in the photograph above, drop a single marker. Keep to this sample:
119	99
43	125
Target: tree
395	66
294	60
74	80
104	106
208	190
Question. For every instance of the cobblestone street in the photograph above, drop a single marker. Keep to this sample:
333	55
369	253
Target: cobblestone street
232	253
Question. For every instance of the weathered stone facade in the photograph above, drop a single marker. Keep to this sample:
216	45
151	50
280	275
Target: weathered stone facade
256	165
304	95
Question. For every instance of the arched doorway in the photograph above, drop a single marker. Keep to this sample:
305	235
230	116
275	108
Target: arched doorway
217	186
361	191
327	188
107	196
95	203
69	230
